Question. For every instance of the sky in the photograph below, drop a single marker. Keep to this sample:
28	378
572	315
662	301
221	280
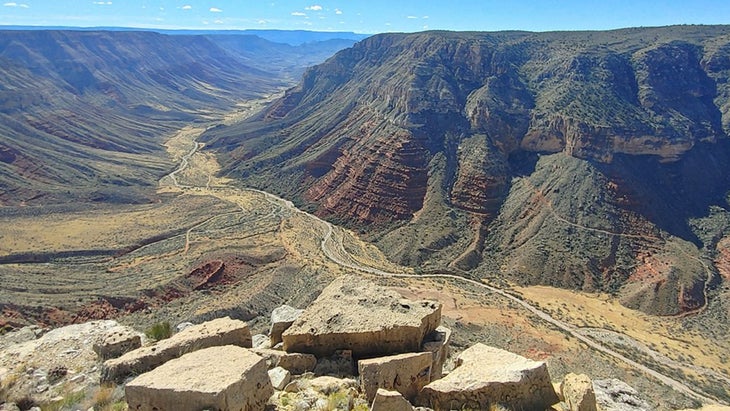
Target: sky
366	16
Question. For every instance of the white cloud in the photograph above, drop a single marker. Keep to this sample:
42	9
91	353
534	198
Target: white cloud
298	13
338	11
215	10
187	7
425	26
411	17
10	4
218	22
315	7
262	21
424	17
102	3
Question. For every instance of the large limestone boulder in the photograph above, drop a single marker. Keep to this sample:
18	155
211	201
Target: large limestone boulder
390	401
486	377
357	315
44	366
404	373
217	378
577	392
117	343
218	332
282	318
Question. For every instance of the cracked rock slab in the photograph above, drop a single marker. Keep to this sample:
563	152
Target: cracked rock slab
218	332
488	376
370	320
217	378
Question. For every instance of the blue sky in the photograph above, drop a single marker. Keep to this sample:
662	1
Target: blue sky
370	16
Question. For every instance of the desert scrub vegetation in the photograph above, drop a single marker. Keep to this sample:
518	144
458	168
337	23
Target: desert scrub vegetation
103	397
159	331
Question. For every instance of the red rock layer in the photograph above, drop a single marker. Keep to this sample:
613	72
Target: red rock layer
380	179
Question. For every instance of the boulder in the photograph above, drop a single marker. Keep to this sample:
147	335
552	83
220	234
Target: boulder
20	336
296	363
281	319
183	326
615	395
404	373
218	332
260	341
485	377
357	315
217	378
279	378
437	343
577	392
385	400
117	343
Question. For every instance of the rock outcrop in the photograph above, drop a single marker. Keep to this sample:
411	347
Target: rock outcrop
615	395
65	356
356	315
218	332
577	392
224	378
118	343
282	318
404	373
486	377
204	366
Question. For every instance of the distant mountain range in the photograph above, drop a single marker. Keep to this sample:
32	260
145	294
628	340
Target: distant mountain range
290	37
590	160
83	113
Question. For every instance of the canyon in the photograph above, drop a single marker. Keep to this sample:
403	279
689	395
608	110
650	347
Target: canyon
585	160
563	194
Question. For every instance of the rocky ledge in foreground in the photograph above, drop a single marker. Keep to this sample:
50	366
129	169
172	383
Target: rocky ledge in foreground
214	369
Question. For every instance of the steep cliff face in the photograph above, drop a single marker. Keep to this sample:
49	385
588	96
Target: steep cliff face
572	159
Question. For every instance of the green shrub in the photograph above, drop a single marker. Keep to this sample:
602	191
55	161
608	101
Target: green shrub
159	331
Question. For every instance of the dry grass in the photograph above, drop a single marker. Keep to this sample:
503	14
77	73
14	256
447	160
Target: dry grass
662	343
475	307
104	227
103	397
665	335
